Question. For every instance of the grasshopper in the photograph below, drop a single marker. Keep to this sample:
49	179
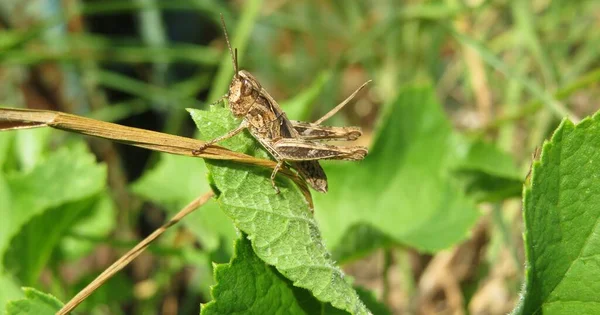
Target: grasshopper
294	142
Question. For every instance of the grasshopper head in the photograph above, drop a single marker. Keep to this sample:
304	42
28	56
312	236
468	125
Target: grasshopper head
243	92
244	89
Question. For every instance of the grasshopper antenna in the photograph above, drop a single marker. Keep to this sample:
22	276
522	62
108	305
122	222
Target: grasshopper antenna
236	60
231	53
342	104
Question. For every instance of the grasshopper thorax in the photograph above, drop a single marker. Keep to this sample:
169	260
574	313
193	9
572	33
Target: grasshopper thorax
243	92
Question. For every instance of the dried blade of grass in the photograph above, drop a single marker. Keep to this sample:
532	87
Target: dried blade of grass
554	105
11	118
132	254
532	107
16	118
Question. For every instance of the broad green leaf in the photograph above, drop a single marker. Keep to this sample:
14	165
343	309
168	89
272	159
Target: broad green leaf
66	176
282	230
562	230
247	285
404	187
489	174
174	182
31	249
35	302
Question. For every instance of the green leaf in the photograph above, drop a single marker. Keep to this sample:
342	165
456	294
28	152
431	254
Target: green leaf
9	290
282	230
30	251
107	298
489	174
66	176
249	286
300	107
173	183
404	187
562	216
5	206
29	145
5	142
371	301
203	264
359	241
97	222
36	302
486	158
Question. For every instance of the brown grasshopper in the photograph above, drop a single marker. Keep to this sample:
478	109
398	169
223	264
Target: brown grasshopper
294	142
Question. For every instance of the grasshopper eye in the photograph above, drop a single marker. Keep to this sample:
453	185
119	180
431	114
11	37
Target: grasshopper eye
246	87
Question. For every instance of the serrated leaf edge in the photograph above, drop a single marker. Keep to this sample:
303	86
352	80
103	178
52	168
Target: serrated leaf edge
541	161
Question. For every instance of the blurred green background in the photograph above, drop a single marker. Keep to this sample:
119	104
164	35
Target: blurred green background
463	92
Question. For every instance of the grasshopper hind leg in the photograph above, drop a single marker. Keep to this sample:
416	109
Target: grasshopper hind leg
313	174
310	171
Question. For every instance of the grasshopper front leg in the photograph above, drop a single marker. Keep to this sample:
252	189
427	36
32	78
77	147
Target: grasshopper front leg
274	173
228	135
219	100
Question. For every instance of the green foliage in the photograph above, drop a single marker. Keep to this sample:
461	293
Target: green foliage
249	286
35	302
404	188
31	202
495	66
561	216
174	182
372	303
96	221
117	290
359	241
300	107
43	197
282	230
5	142
30	250
9	290
489	174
